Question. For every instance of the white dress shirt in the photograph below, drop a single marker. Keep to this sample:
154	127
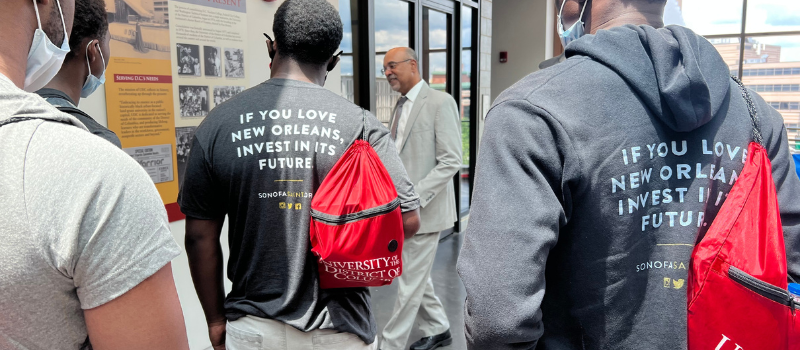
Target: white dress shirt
401	124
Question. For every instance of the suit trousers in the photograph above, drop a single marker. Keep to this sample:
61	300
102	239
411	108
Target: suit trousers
255	333
415	295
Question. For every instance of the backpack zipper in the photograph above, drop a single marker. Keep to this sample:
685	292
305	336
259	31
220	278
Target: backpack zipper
353	217
762	288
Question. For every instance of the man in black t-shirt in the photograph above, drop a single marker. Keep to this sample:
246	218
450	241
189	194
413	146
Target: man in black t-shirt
259	159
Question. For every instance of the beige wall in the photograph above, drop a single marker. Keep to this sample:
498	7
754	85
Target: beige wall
259	20
523	28
484	101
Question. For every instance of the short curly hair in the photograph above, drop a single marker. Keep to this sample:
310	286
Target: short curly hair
308	31
91	21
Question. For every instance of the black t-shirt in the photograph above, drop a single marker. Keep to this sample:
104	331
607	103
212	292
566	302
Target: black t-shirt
259	158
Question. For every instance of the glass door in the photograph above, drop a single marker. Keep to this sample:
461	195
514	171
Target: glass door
436	62
445	34
468	96
437	70
392	29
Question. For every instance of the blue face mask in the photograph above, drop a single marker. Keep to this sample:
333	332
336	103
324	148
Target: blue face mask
575	31
93	82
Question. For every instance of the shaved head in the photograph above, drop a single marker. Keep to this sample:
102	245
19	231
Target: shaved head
411	53
401	69
605	14
407	52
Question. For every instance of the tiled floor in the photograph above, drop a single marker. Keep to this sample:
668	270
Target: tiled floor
447	286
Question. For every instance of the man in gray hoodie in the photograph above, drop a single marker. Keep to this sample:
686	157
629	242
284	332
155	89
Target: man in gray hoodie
598	175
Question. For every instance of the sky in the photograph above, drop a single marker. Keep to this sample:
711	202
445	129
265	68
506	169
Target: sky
391	30
714	17
706	17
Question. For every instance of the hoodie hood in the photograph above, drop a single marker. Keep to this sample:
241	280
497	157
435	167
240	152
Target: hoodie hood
15	102
677	74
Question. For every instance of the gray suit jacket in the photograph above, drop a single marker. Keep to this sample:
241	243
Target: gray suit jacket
431	153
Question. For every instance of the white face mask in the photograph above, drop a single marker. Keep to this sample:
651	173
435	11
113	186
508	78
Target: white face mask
575	31
93	82
44	58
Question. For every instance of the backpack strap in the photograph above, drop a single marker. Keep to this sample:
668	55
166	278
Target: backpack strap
364	122
73	111
64	105
751	108
59	102
13	120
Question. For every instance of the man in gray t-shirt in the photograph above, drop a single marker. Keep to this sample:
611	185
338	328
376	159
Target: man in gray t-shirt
259	158
85	241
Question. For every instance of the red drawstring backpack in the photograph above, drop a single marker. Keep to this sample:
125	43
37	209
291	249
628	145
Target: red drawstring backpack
356	223
737	293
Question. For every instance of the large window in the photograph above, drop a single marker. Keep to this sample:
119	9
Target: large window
435	45
465	70
445	35
760	42
391	30
346	63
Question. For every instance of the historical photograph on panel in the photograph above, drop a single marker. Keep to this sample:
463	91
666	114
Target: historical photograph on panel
234	63
193	100
224	93
213	61
183	145
138	28
188	59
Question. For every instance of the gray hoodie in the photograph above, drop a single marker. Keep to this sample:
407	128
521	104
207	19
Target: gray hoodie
595	179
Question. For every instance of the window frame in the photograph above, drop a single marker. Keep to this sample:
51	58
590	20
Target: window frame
743	34
362	16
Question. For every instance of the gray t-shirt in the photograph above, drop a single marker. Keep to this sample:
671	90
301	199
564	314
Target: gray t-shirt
81	224
259	158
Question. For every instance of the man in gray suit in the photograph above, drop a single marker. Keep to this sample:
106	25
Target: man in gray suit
426	129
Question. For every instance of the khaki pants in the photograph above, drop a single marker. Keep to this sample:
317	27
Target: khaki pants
254	333
415	295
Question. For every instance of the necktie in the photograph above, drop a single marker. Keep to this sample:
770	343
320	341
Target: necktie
398	111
